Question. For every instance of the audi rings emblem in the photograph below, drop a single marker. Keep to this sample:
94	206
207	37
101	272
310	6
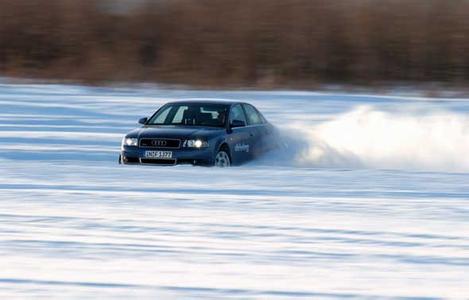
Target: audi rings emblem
159	143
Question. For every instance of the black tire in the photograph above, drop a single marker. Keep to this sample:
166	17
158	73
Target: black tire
222	158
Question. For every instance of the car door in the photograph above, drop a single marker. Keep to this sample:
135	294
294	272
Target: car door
240	138
256	129
268	134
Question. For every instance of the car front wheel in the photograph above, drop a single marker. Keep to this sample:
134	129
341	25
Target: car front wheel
222	159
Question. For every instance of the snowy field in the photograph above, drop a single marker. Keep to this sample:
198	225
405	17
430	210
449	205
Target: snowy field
371	200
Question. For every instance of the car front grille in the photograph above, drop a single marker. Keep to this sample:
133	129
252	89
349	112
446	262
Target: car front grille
160	143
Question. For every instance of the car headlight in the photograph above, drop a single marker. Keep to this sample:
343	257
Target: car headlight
130	142
195	144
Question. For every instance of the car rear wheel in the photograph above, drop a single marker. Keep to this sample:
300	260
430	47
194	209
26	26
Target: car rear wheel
222	159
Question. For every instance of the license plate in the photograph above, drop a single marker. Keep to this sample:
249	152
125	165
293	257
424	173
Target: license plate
159	154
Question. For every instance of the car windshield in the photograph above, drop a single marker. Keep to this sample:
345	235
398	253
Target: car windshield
190	114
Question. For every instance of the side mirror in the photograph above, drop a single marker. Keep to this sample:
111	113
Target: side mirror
237	123
143	121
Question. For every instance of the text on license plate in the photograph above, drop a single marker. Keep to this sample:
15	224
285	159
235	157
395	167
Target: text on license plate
159	154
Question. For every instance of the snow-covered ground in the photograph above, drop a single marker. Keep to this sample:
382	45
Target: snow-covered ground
370	200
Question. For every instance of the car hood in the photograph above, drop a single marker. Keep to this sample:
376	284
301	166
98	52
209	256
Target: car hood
179	132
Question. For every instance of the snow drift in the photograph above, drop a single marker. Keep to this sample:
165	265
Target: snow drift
370	137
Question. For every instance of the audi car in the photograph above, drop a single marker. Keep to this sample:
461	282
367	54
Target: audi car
207	133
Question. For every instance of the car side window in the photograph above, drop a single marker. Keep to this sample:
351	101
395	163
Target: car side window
253	117
237	113
264	120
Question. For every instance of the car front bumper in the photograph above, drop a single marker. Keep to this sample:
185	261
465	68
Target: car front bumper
136	155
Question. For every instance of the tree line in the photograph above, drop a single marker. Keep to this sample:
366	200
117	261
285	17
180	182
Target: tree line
237	42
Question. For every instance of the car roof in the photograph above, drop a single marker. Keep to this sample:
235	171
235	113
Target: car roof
207	101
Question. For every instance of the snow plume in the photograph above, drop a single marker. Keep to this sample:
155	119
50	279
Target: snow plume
367	137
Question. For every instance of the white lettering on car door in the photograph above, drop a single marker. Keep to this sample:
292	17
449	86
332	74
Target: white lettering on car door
241	148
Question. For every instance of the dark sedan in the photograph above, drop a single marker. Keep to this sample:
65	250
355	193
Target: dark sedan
210	133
